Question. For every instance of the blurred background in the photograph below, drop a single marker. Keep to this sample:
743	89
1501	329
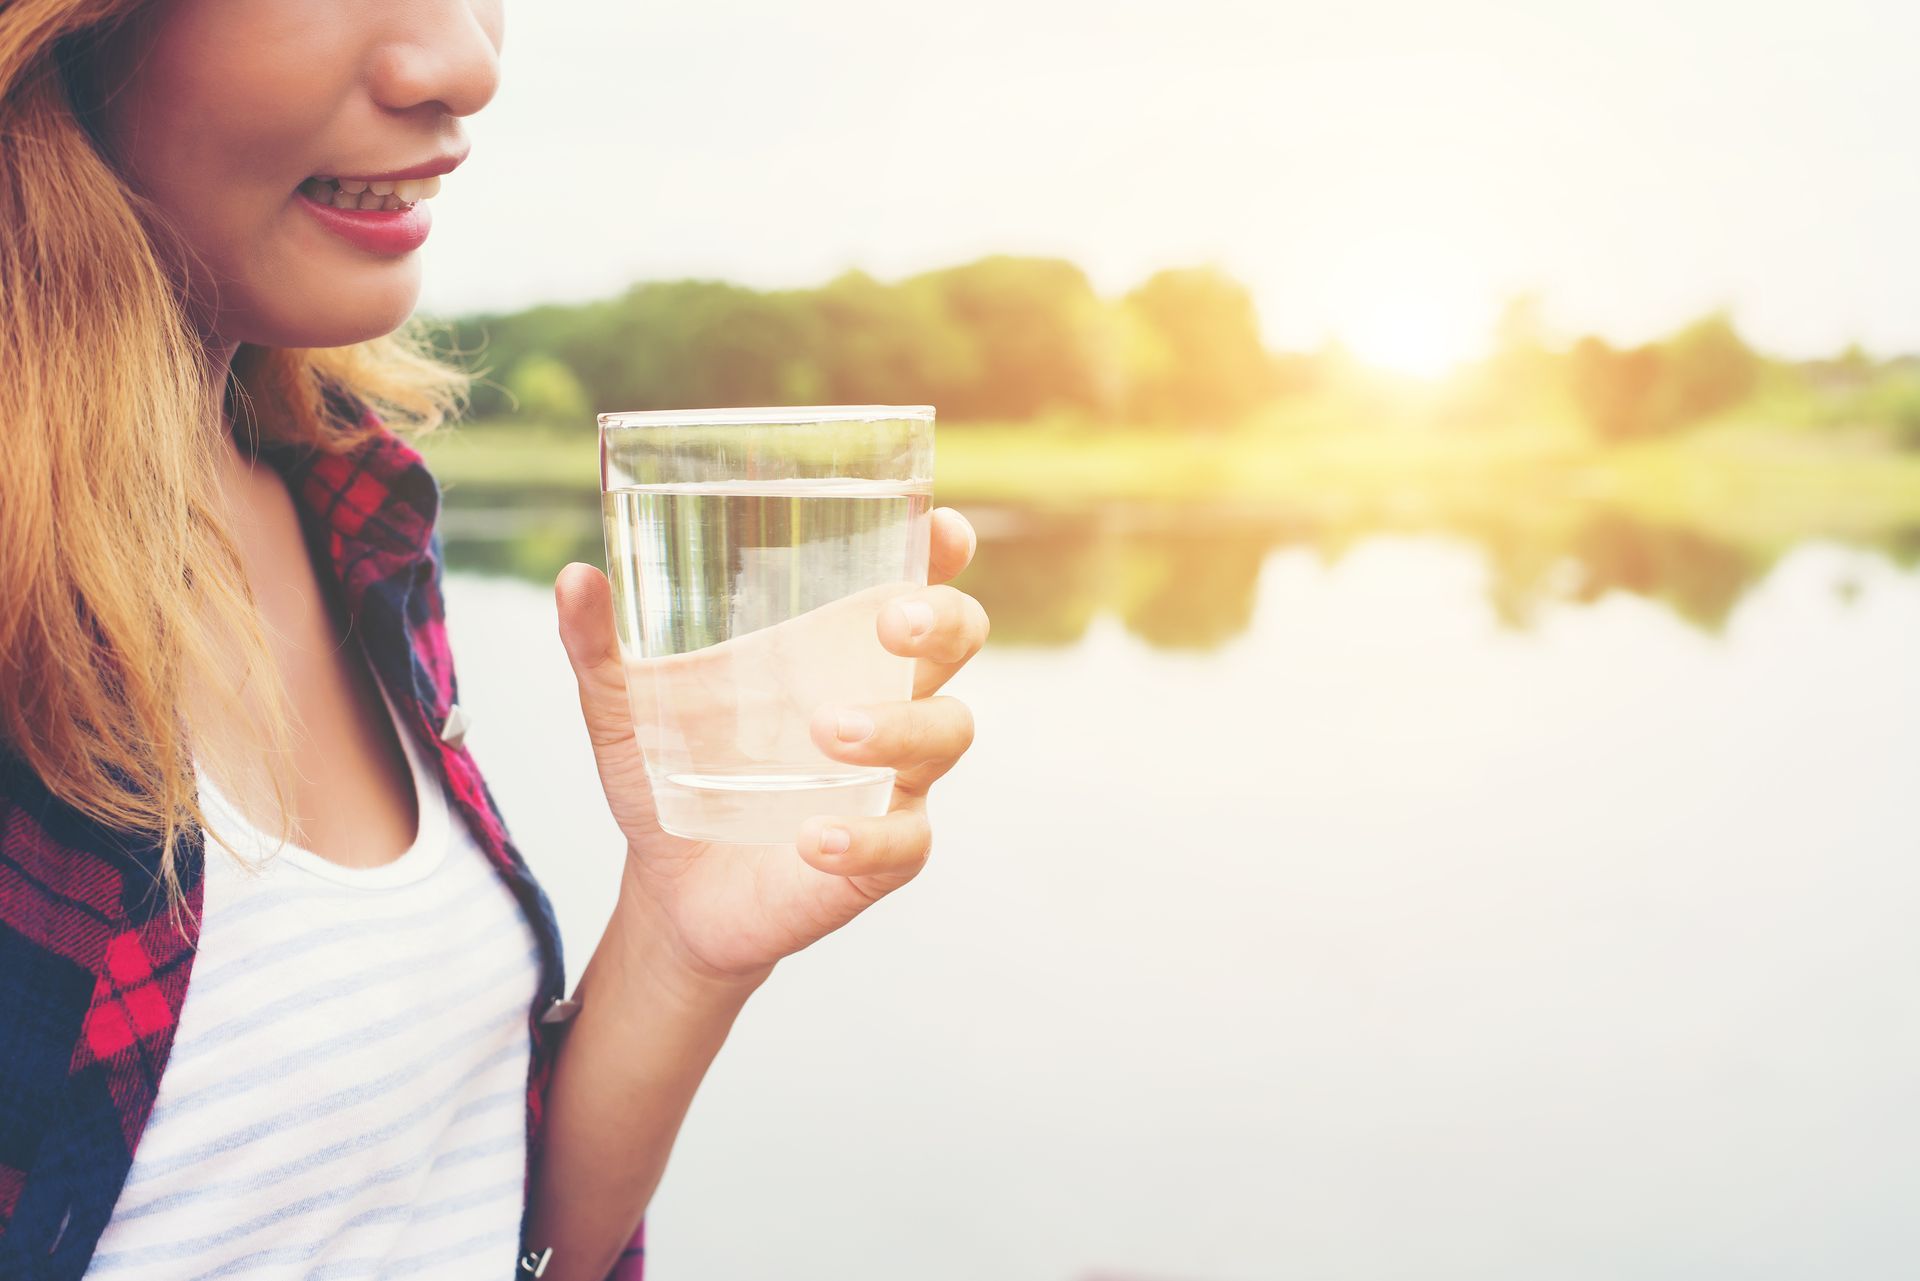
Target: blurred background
1448	479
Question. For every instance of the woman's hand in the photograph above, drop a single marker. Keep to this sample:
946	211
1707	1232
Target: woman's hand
729	912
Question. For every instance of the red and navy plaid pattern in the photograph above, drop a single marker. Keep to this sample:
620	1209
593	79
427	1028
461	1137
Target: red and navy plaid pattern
93	967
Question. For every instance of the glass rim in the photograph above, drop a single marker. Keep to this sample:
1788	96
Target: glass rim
763	415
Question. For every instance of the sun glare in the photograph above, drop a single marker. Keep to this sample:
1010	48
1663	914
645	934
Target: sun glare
1414	335
1411	307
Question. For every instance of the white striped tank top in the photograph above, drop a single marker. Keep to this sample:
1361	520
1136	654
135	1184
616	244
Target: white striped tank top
346	1095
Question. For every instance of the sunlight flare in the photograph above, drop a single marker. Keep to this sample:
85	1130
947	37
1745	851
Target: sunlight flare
1407	306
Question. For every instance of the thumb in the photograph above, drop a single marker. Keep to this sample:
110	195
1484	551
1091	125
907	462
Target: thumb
585	603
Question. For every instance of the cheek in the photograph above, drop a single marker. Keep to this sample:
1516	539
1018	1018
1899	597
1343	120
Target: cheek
222	124
228	108
228	176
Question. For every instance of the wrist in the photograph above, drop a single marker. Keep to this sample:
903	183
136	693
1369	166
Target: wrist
648	949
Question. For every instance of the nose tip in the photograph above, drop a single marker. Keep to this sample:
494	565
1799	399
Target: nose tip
451	62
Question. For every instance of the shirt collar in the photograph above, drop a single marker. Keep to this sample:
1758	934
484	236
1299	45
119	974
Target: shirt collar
371	508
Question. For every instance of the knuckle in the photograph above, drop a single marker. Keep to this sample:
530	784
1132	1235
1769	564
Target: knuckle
909	838
963	723
960	626
917	734
948	602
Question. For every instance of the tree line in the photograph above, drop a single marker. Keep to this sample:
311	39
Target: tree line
1017	338
1004	337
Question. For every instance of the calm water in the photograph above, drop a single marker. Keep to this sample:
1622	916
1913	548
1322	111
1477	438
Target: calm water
1326	906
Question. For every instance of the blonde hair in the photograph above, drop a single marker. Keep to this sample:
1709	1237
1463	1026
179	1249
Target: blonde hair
124	594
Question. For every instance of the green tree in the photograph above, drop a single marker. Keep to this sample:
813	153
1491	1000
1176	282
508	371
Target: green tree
494	345
1001	337
1206	361
1043	338
694	343
1709	368
1616	391
1704	369
890	344
544	388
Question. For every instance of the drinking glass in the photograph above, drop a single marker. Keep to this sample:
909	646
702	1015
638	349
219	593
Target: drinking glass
750	552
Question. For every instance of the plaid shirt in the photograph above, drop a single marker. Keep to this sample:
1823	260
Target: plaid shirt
93	969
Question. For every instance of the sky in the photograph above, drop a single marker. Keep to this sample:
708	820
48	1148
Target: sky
1383	172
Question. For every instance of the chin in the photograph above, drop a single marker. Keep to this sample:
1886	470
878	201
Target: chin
336	319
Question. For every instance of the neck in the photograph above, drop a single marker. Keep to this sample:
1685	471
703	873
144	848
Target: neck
220	352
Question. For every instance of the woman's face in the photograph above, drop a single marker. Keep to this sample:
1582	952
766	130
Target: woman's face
220	111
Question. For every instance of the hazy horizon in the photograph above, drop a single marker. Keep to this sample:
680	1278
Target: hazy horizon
1384	174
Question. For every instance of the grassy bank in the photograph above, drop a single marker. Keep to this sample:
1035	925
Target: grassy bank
1752	484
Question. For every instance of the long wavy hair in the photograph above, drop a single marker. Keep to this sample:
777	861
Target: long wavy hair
123	603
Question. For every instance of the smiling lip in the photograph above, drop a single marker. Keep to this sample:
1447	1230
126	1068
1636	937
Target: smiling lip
427	169
380	231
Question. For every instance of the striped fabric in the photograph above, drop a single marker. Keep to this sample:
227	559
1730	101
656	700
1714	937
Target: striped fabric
346	1091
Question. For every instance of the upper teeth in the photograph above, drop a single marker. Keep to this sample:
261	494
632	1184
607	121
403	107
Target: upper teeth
358	193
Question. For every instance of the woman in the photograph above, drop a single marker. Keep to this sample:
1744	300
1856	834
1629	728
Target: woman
351	1060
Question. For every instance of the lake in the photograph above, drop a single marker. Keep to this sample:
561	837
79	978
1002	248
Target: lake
1323	903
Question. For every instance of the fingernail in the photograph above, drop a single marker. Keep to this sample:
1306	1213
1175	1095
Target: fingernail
854	726
835	841
919	615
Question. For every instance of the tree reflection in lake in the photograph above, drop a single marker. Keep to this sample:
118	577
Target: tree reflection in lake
1188	581
1185	578
1698	577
